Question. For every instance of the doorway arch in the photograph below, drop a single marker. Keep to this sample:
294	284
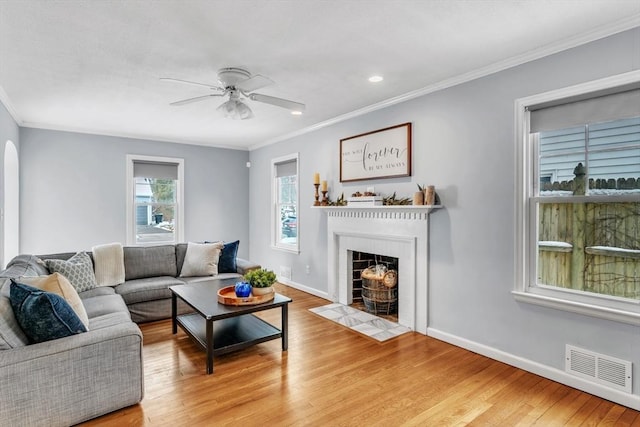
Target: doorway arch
11	204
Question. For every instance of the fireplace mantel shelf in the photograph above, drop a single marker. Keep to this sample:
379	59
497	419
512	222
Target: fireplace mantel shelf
391	208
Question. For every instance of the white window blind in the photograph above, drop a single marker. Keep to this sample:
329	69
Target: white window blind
286	169
575	111
155	170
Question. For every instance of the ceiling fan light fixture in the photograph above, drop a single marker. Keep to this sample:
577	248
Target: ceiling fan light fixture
235	109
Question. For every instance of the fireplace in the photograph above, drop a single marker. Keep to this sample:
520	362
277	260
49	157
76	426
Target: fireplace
399	232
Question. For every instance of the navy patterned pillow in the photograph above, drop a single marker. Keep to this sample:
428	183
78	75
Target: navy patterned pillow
227	261
43	316
78	270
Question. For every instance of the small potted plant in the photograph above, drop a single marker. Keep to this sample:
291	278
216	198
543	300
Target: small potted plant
260	280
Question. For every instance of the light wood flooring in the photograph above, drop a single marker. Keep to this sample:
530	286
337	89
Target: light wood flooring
331	376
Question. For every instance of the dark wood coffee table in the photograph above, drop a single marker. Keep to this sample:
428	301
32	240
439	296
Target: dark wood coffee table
220	328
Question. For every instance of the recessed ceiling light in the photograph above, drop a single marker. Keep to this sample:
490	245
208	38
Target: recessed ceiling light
376	79
296	113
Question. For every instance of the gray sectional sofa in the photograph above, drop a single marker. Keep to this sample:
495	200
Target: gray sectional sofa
79	377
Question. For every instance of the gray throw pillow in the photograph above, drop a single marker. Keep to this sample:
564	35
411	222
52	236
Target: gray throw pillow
78	270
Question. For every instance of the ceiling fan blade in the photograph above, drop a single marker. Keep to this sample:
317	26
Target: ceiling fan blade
168	79
279	102
196	99
254	83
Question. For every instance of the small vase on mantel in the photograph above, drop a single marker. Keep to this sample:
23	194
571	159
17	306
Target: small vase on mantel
418	198
430	195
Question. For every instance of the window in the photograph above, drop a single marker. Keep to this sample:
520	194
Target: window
154	194
579	199
285	203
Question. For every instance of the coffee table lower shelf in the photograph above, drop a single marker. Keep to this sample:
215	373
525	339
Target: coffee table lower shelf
231	334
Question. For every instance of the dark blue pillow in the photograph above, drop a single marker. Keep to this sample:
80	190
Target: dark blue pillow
43	316
227	261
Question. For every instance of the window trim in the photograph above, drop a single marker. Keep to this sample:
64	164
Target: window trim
526	290
275	243
130	192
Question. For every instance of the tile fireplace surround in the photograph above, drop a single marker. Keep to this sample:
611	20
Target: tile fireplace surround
396	231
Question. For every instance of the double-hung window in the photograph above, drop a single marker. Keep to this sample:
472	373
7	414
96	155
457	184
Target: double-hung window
285	203
154	200
578	210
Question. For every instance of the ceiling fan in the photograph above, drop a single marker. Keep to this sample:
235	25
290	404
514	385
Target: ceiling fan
237	82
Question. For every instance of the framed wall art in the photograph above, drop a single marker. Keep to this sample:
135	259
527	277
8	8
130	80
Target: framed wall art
384	153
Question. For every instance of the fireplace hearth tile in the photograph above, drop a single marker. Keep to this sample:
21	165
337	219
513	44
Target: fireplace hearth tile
360	321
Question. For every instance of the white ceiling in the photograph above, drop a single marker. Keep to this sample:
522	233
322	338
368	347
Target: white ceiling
94	66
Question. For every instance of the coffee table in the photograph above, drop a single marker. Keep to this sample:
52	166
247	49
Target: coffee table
219	328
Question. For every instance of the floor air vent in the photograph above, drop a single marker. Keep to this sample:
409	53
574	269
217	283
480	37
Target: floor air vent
602	369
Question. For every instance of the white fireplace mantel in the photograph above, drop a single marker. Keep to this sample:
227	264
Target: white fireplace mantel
400	231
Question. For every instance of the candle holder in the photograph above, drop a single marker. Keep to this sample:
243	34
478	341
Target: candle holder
325	201
317	196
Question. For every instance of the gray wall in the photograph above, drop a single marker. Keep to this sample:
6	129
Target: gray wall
9	131
73	190
464	144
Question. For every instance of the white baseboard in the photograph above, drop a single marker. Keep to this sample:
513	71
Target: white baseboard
629	400
304	288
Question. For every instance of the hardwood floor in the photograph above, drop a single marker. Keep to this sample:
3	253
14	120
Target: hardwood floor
331	376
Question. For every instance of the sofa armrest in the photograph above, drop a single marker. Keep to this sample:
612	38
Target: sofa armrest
243	266
57	382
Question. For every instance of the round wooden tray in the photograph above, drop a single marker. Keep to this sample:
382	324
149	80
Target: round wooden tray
227	296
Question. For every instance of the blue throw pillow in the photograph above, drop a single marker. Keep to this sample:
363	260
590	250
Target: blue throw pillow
227	261
43	316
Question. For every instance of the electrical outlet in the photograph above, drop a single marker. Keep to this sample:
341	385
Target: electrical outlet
308	269
285	272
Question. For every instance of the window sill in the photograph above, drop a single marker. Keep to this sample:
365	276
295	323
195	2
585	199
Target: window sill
283	249
586	309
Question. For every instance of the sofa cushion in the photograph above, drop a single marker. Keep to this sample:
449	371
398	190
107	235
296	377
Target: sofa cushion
109	319
58	284
78	269
101	290
11	335
25	265
104	304
43	316
227	262
149	289
109	264
149	261
201	259
181	251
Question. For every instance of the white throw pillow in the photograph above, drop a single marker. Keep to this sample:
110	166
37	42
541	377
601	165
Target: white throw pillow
201	259
108	264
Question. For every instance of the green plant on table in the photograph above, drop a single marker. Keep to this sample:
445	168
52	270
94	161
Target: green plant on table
260	278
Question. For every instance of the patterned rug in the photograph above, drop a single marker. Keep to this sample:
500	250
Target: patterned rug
360	321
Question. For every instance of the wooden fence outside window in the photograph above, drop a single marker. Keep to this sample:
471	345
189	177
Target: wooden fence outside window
592	247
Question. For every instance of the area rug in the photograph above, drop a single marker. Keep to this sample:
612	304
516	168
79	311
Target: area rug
367	324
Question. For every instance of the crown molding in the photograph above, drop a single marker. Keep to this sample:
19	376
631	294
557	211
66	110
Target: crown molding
598	33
